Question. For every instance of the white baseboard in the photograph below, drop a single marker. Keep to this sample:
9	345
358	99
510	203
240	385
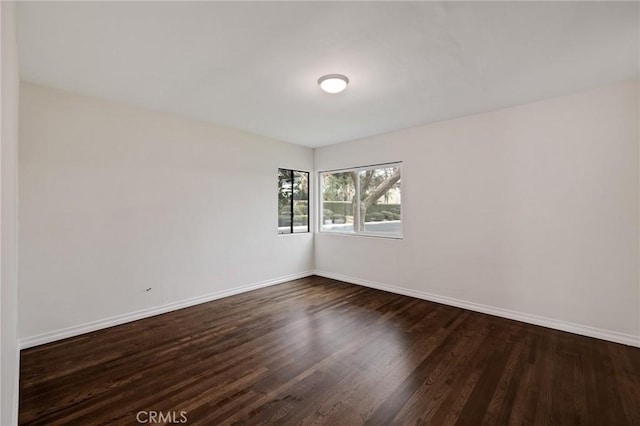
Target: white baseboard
612	336
64	333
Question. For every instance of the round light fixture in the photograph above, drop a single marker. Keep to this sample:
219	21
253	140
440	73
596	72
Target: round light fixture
333	83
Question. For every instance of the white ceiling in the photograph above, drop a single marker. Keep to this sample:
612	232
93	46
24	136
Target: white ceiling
255	66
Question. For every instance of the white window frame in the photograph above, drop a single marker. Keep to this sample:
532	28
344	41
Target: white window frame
357	170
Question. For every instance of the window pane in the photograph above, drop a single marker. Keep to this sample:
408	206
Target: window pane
300	201
363	200
338	194
380	201
284	201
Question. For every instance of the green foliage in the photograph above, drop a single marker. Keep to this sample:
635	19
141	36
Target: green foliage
300	219
338	207
300	209
284	220
374	217
390	211
389	215
385	209
338	186
327	214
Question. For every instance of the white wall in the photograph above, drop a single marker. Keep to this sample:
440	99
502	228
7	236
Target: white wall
125	210
9	357
529	212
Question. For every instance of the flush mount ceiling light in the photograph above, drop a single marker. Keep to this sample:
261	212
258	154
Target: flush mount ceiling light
333	83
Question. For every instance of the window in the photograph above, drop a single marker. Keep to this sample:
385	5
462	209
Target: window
293	201
379	210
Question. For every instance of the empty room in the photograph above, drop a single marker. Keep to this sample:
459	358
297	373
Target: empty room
333	213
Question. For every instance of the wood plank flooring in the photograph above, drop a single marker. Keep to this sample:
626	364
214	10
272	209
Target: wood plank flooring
319	351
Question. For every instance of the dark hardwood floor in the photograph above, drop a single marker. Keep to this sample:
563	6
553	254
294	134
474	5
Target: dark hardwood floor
319	351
